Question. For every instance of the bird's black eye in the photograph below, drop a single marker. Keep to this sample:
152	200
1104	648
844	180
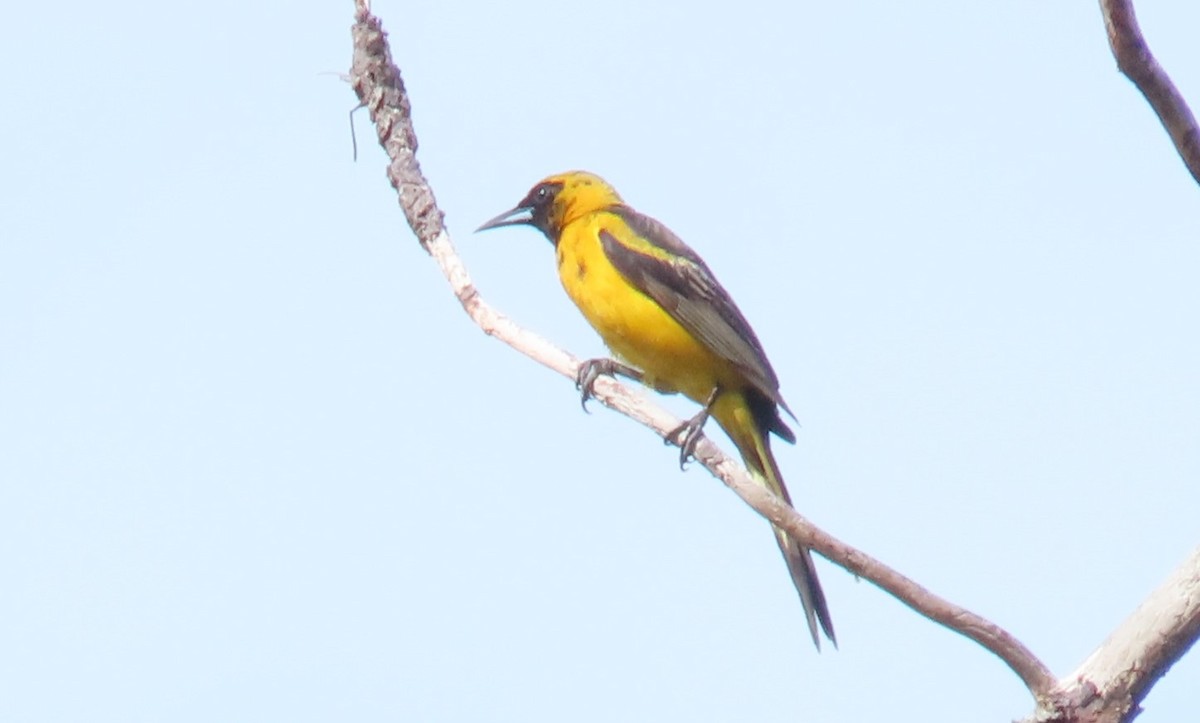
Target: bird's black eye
543	194
540	200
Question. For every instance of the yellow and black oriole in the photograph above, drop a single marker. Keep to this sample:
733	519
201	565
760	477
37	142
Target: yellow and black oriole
659	308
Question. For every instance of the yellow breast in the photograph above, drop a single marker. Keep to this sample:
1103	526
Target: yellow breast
632	324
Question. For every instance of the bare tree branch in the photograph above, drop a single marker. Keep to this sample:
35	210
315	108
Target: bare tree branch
1149	642
1112	682
1135	60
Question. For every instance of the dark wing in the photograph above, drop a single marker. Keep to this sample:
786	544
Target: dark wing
667	270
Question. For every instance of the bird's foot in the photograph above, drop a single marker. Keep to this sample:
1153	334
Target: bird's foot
688	434
593	369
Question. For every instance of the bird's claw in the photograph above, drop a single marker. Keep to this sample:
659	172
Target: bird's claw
593	369
688	435
585	378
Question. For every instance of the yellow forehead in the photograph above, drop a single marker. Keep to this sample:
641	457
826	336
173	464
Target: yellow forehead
582	192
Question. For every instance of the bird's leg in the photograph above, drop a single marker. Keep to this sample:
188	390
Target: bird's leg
593	369
692	429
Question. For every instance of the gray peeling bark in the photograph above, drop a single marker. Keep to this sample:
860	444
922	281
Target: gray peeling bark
1135	60
1106	688
1111	683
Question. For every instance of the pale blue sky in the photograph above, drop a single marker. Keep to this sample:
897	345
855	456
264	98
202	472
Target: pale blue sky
258	466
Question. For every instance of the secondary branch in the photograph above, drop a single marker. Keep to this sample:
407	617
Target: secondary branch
1135	60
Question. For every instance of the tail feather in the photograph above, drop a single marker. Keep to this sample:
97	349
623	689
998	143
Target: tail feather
754	446
804	576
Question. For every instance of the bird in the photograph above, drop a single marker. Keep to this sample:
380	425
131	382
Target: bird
672	326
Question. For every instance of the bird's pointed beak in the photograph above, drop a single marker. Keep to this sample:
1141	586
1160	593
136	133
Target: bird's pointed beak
519	216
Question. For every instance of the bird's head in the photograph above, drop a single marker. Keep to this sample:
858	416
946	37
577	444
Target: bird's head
557	201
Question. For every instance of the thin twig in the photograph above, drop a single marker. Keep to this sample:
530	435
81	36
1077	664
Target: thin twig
1135	60
377	82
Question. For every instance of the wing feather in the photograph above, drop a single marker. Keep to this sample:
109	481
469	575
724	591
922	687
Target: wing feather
663	267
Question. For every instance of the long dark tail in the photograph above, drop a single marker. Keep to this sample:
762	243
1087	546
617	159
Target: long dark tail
750	436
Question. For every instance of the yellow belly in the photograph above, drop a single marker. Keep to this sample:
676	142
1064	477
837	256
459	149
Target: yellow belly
632	324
